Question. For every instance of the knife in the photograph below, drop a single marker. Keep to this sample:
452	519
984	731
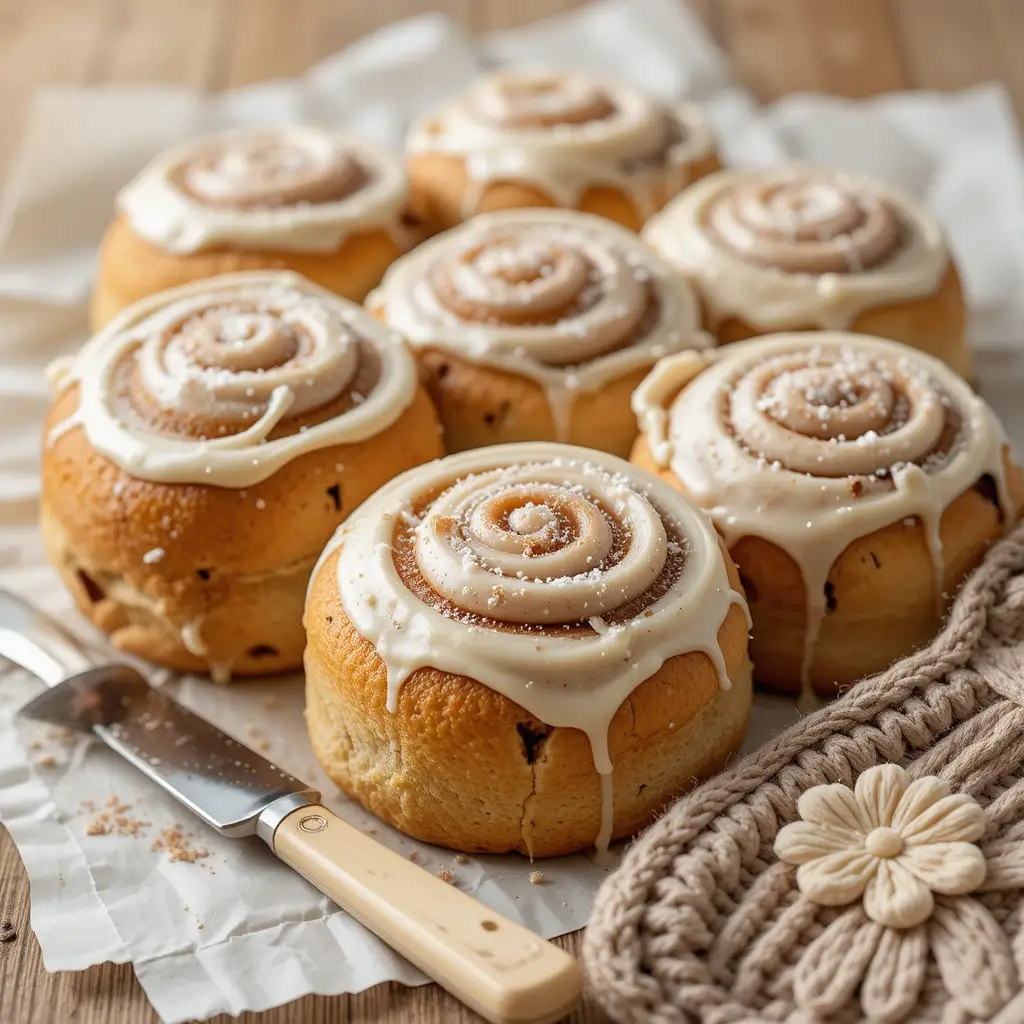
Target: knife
495	966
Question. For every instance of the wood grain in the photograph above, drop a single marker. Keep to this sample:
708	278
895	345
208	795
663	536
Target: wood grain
851	47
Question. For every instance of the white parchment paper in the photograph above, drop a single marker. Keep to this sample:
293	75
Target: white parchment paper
236	930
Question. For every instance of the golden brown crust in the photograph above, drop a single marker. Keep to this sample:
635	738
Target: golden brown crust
439	185
460	765
235	560
482	405
883	602
934	324
130	268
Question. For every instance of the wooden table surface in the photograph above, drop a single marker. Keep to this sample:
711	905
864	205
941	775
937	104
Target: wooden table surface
851	47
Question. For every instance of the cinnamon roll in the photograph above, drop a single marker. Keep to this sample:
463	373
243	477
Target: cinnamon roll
856	482
555	139
804	248
527	647
328	206
201	450
536	325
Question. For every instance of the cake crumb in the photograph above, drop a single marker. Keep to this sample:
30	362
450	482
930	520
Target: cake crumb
460	858
446	875
536	877
414	856
46	761
36	745
269	703
114	820
179	847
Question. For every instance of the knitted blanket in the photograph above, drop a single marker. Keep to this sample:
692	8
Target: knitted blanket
893	895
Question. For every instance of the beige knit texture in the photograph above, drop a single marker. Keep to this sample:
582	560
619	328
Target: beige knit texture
703	923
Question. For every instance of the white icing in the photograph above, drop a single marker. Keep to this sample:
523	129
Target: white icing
765	435
516	270
565	133
252	348
473	544
301	189
799	246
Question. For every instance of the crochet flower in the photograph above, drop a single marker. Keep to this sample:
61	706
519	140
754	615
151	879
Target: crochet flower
889	839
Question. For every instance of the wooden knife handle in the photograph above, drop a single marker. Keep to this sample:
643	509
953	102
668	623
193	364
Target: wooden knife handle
499	968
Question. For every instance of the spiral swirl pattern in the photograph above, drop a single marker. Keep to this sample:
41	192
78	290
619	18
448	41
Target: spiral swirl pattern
298	189
224	381
568	300
227	354
271	170
803	222
541	101
838	411
798	247
559	297
564	133
528	545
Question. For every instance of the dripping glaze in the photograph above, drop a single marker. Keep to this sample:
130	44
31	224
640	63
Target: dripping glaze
214	371
799	246
576	681
754	471
520	262
565	133
301	189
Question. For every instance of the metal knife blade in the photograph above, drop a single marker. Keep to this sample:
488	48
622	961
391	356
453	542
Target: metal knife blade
494	965
219	779
230	787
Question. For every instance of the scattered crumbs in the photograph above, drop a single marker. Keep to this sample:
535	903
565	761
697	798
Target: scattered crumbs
446	875
460	858
114	820
261	504
200	925
7	932
87	805
369	831
269	703
153	555
35	745
414	856
178	846
46	761
536	877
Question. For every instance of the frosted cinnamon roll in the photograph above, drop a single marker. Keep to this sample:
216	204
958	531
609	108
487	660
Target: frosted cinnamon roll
326	205
856	482
528	647
804	248
536	325
555	139
201	450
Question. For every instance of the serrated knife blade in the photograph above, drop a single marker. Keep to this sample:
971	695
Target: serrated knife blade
497	967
